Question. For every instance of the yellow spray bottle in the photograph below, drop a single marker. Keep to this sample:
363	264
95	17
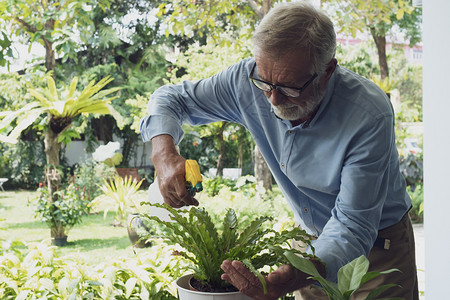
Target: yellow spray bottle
194	185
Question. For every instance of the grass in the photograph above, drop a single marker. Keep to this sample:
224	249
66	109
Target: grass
94	240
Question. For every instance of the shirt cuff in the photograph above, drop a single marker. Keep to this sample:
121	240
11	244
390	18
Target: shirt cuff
152	126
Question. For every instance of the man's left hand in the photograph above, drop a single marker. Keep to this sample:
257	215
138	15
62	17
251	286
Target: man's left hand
284	280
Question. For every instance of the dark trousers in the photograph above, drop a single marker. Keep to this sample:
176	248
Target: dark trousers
401	254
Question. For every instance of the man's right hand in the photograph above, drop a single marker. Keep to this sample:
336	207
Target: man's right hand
171	172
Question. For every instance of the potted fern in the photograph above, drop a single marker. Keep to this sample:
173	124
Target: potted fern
206	246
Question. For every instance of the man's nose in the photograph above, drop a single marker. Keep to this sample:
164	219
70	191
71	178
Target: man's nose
275	97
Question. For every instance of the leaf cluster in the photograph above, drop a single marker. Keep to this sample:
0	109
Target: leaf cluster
66	211
62	106
207	247
39	273
118	194
350	277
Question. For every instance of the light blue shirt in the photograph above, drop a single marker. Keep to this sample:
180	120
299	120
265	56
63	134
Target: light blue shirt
339	172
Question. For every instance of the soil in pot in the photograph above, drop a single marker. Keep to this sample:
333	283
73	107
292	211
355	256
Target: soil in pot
197	285
185	292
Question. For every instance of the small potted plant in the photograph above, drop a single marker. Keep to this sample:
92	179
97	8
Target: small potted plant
350	277
206	246
63	213
119	195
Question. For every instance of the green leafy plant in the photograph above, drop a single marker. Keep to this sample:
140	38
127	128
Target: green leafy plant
118	195
90	175
38	272
350	277
63	212
59	108
207	245
416	194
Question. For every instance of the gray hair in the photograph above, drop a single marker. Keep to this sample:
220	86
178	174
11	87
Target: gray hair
295	26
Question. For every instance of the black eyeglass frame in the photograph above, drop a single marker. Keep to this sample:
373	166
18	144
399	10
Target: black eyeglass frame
278	87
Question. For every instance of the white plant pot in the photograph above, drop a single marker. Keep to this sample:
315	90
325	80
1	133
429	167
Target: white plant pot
184	293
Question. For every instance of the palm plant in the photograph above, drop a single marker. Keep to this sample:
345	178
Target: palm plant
118	195
60	107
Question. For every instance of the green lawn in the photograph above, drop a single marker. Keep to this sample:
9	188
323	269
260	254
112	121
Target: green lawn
94	240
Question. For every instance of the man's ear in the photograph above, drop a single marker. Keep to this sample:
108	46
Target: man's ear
328	72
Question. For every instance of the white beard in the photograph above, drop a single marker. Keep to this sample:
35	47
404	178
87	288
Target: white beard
294	112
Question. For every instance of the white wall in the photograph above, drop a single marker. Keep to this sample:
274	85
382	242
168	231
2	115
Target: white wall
436	108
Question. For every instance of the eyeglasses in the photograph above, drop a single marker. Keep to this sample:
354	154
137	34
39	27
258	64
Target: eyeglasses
290	92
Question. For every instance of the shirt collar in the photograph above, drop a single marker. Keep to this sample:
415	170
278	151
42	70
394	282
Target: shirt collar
325	101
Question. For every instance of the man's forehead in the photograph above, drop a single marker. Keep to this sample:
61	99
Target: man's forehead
283	70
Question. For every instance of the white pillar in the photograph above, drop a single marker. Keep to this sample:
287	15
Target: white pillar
436	109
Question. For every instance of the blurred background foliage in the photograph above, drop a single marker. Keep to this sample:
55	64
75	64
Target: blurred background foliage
144	44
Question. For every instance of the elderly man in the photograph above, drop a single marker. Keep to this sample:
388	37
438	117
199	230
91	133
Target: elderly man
327	135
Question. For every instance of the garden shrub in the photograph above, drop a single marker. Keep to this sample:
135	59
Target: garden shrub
416	194
23	163
67	210
245	197
39	273
411	166
91	174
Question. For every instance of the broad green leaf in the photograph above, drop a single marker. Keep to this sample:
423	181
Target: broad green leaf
63	286
379	290
11	284
23	295
59	107
73	284
47	283
53	92
39	96
24	123
99	108
303	264
144	295
248	264
129	286
306	266
350	275
371	275
230	229
72	87
70	107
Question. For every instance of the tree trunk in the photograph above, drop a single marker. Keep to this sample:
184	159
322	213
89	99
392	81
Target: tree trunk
50	60
221	158
380	42
52	174
266	5
52	147
262	171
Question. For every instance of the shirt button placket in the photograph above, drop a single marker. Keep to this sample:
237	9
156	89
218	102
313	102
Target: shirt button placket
288	145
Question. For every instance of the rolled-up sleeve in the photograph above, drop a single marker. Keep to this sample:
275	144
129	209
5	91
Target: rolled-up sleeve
199	102
355	219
